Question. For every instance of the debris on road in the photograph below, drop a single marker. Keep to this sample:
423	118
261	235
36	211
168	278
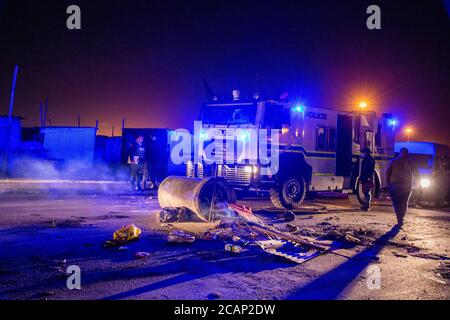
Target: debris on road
179	236
141	255
352	239
214	296
288	250
289	216
206	198
127	233
240	241
236	225
233	248
123	235
168	215
123	248
109	244
399	254
443	270
292	228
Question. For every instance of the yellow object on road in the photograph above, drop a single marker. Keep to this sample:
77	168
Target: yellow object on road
127	233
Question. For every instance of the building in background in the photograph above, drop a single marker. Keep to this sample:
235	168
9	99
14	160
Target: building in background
65	144
14	139
108	150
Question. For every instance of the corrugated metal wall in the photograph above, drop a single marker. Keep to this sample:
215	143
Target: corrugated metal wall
15	136
70	143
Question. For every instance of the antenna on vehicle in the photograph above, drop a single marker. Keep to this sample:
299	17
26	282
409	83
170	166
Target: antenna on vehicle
209	92
261	93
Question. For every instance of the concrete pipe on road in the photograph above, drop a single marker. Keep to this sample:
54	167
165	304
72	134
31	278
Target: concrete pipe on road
196	195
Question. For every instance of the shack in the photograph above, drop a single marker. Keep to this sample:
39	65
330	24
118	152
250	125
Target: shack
108	149
64	144
14	139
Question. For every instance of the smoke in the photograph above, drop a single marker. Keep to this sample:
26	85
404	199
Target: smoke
43	169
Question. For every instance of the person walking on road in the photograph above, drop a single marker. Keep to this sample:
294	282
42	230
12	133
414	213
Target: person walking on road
366	177
400	174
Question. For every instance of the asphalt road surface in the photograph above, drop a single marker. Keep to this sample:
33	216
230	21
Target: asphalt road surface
47	227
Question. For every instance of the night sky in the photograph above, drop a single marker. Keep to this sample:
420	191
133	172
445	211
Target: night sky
144	60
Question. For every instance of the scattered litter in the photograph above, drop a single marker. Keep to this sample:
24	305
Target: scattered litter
288	250
240	241
127	233
333	235
424	255
218	234
440	281
229	247
179	236
141	255
443	270
123	248
292	228
352	239
109	244
399	255
214	296
169	214
289	216
270	244
239	227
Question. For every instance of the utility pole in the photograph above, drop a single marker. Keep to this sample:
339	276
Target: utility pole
13	91
9	125
45	112
41	114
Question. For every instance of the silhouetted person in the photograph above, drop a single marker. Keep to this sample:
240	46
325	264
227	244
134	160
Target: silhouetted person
138	164
366	177
400	175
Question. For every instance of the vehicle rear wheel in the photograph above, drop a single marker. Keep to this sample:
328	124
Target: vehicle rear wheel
289	194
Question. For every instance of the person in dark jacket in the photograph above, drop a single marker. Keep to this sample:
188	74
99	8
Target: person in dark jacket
399	175
366	177
138	164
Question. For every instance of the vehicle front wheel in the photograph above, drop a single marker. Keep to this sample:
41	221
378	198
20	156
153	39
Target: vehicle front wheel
289	194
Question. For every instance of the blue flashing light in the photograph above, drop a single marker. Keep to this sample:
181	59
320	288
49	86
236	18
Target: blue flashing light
244	135
298	108
204	135
393	122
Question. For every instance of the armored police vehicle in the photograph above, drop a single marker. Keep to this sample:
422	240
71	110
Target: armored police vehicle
318	149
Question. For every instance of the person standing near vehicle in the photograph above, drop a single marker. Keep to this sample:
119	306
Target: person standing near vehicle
366	177
138	164
400	174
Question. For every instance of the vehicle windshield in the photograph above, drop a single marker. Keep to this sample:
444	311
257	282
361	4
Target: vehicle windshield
229	114
424	161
